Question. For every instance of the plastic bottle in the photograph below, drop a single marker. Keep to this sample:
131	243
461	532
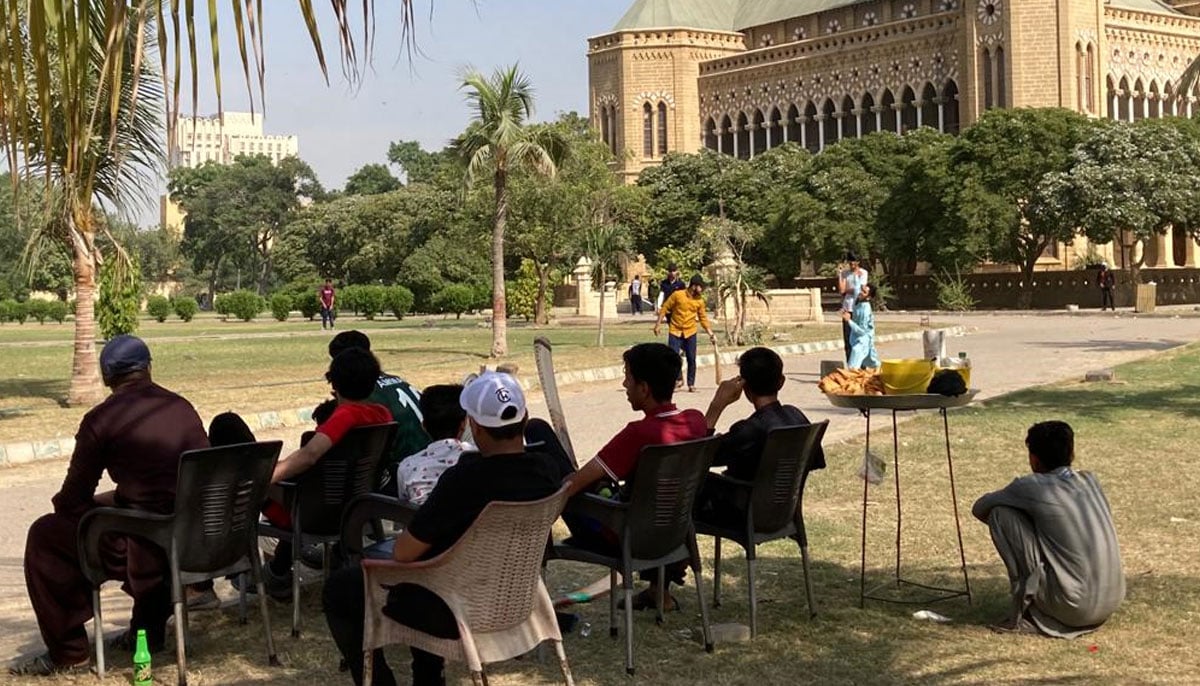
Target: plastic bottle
964	368
142	673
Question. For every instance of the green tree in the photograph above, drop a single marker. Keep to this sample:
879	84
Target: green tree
120	298
605	243
999	164
733	240
159	307
419	165
454	298
498	142
371	179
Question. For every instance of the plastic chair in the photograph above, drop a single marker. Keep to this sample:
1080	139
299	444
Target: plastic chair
770	507
367	511
211	534
317	498
491	580
654	527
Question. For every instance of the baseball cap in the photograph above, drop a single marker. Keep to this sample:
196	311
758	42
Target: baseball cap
122	355
493	399
697	280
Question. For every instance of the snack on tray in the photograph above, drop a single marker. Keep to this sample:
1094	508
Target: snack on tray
852	382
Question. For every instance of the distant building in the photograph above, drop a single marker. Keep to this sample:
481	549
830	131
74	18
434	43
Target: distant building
221	138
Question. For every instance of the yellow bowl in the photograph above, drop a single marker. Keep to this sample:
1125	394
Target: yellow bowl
903	377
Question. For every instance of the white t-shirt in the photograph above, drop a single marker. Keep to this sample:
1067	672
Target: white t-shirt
418	473
854	283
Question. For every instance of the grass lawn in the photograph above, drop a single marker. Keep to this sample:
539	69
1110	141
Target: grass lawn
1129	433
268	365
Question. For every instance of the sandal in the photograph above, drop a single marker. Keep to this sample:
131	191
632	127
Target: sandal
126	641
648	600
42	665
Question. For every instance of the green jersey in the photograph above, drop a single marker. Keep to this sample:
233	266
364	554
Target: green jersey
403	401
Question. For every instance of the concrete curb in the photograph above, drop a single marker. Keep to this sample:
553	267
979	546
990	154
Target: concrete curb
24	452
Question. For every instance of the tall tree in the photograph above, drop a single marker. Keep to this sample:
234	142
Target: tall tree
371	179
497	142
419	165
605	244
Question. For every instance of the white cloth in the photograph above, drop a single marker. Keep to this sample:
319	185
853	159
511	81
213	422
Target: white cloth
419	473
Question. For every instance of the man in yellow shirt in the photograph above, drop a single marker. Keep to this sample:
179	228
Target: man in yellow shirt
686	308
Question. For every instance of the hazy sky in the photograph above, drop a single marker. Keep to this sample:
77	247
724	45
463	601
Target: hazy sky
341	128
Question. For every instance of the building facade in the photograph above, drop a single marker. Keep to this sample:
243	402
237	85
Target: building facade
220	139
743	76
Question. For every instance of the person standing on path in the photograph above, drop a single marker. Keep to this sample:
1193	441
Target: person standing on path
635	295
328	299
686	309
1106	281
669	285
850	285
137	435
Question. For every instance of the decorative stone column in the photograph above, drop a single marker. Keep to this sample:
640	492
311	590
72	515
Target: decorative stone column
583	287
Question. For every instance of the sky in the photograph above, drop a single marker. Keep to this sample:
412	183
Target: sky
342	127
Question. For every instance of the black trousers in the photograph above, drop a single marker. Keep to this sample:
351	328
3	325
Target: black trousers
410	605
846	339
1106	299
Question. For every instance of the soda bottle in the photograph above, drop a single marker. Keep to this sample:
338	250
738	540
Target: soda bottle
142	675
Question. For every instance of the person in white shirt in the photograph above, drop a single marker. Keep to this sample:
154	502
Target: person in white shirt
444	421
850	286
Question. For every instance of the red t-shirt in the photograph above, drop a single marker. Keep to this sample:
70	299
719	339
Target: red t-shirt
663	425
327	296
347	416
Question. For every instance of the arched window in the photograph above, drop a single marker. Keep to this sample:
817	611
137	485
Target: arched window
758	134
604	132
794	133
662	128
908	113
727	136
1089	78
1001	86
830	134
1125	106
1169	99
647	130
612	128
887	102
742	140
1080	67
985	66
848	123
775	131
929	108
1139	100
950	93
812	138
1155	101
710	134
868	116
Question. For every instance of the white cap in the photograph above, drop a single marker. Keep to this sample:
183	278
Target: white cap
493	399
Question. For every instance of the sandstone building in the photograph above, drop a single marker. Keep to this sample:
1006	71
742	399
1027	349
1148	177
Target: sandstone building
743	76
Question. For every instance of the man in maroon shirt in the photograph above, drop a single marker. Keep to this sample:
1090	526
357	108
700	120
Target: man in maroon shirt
137	435
328	298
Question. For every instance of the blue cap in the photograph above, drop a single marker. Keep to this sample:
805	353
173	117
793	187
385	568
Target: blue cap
122	355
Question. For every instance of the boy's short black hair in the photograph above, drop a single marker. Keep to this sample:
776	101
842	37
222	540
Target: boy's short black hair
346	340
1053	443
506	432
761	370
353	373
656	365
442	412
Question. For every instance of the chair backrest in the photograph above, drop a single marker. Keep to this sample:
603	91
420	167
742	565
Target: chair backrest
348	470
217	500
498	562
665	483
781	470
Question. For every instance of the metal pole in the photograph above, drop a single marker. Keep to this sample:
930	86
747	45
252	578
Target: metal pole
896	467
862	580
954	499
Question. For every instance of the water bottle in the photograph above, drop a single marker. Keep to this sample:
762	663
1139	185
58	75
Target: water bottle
964	368
142	674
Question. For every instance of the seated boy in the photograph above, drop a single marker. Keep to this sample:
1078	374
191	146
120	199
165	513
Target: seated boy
444	421
501	470
1054	531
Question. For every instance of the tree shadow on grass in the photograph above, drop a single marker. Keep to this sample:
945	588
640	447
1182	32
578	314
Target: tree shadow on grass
1107	402
1113	345
50	389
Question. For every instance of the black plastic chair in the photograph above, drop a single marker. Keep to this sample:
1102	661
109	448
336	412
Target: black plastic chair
769	508
654	527
211	534
317	499
365	512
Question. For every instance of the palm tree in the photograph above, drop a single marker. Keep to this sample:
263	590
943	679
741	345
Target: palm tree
606	245
498	142
72	99
85	160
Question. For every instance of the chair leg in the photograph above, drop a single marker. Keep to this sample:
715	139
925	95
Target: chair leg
98	631
368	667
717	572
483	676
808	589
296	543
662	596
477	678
751	565
627	582
563	664
707	628
256	569
242	619
612	603
180	649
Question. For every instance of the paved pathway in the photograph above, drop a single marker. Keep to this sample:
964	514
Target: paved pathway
1008	352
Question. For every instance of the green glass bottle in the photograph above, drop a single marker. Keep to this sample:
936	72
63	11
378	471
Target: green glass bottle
142	674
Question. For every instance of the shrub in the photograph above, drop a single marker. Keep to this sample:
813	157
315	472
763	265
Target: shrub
57	310
38	309
185	307
243	304
399	301
8	311
455	298
20	312
308	303
522	291
158	307
120	298
281	306
366	300
953	293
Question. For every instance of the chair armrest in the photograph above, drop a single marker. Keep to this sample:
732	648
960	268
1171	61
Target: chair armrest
726	480
365	509
97	522
611	513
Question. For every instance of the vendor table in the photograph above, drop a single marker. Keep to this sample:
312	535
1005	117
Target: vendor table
896	404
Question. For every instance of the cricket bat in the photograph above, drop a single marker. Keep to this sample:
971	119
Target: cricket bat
597	589
716	361
544	358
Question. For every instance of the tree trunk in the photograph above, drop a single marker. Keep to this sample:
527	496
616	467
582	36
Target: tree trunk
1135	268
600	333
540	314
1025	296
499	302
212	283
86	387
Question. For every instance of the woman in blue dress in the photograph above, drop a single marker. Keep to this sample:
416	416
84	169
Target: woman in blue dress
862	331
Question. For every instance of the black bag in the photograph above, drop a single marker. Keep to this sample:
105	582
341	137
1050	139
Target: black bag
947	382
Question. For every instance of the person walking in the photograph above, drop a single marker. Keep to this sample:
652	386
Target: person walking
686	310
669	285
635	294
1106	280
850	285
328	298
